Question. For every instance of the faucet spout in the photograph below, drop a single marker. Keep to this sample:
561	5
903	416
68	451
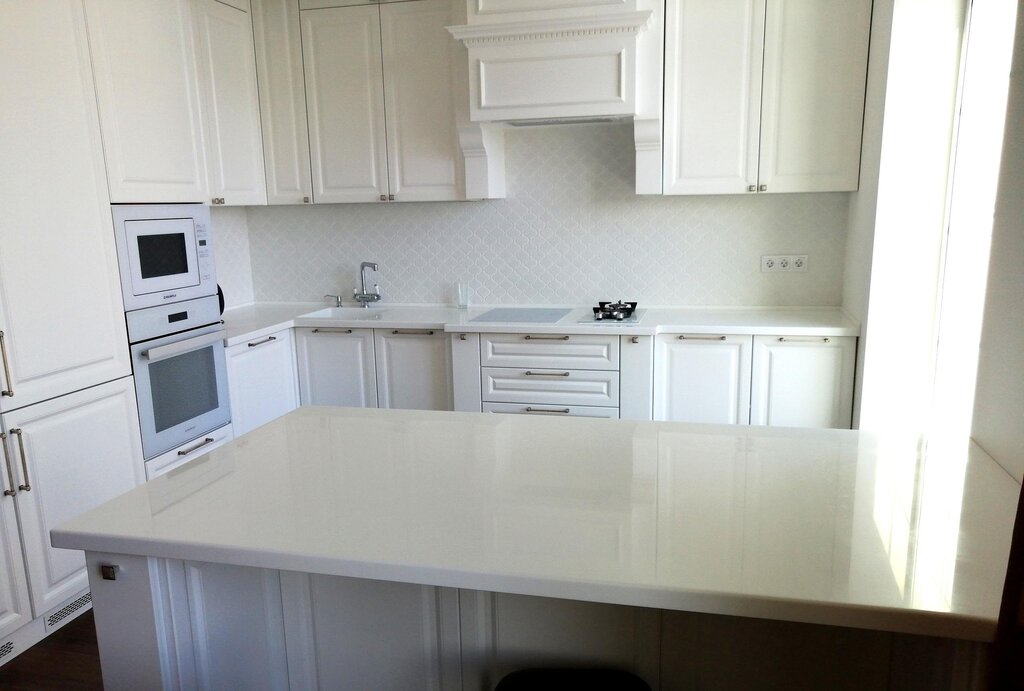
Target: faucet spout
361	294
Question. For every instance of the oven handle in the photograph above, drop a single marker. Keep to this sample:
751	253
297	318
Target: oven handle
179	347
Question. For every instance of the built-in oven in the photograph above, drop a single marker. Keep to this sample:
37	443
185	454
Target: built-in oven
180	372
164	253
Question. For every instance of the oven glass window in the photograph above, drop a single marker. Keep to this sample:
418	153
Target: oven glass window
183	387
162	255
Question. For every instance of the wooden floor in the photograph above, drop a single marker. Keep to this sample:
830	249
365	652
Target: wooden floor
67	660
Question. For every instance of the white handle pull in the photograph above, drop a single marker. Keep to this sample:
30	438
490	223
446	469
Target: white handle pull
171	349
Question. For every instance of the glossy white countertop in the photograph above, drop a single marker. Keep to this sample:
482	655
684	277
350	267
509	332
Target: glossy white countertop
822	526
261	319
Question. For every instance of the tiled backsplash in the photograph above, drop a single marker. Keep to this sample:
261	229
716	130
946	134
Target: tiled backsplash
232	255
570	231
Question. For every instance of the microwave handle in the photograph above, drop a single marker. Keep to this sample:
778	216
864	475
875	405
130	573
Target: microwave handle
171	349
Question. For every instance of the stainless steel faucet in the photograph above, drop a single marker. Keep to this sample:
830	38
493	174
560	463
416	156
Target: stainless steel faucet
360	294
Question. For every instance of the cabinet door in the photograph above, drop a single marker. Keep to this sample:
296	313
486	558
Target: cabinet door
79	451
61	315
261	380
702	378
15	606
420	118
345	103
815	67
713	51
142	54
275	26
227	76
413	369
802	381
336	367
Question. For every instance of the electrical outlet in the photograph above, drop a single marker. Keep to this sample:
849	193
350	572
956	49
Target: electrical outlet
771	263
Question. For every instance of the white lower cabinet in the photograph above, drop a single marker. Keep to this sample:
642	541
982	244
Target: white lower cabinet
702	378
62	458
336	367
412	369
261	380
803	381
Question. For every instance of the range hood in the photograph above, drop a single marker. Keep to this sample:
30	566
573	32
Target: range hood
566	62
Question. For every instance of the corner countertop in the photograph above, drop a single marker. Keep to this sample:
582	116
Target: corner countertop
261	319
823	526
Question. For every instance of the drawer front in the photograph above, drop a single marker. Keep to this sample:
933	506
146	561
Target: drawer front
549	351
552	410
544	386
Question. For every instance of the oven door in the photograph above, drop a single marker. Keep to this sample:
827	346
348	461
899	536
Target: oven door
182	386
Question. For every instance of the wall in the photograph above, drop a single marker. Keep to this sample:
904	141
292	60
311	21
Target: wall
999	399
231	252
570	231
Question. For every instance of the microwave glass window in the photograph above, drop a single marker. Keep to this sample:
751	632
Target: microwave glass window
183	387
162	255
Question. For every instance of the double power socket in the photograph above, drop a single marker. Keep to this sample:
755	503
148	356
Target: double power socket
783	262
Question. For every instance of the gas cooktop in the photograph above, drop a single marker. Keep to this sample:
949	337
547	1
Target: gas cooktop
614	313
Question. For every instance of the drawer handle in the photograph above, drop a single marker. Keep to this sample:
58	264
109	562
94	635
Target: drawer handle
546	374
332	331
24	459
784	339
413	332
557	411
204	442
546	338
686	337
268	339
10	473
9	391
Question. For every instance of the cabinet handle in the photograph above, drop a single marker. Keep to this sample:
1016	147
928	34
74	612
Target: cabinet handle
635	339
546	374
305	200
24	460
462	337
10	473
785	339
559	411
204	442
691	337
329	330
383	197
762	188
413	332
268	339
391	197
9	391
751	188
546	338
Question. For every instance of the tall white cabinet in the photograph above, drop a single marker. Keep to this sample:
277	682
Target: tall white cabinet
143	57
378	82
764	95
226	61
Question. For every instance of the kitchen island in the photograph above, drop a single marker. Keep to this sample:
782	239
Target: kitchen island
353	548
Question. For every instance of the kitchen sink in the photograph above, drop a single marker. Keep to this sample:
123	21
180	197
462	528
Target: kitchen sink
346	313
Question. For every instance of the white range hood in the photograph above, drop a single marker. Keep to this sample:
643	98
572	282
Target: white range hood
545	62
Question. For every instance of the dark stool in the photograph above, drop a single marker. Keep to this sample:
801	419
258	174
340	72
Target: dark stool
571	680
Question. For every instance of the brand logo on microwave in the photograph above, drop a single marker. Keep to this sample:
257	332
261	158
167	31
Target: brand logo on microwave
171	295
189	429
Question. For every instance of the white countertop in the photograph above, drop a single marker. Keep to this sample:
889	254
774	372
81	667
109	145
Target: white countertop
261	319
821	526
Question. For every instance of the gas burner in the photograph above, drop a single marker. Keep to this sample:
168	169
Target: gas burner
614	311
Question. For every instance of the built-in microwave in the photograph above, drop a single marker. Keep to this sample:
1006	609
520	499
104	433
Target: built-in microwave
164	253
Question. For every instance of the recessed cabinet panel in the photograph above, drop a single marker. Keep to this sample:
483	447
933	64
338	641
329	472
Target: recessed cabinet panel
565	387
712	95
261	380
549	350
413	369
815	67
419	109
336	367
345	101
227	69
802	381
145	74
700	378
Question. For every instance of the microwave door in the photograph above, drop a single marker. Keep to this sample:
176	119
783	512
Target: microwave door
162	254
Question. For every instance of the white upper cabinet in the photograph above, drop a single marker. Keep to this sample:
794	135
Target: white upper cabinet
413	369
764	95
379	101
702	378
145	73
419	113
227	75
61	315
345	101
803	381
282	101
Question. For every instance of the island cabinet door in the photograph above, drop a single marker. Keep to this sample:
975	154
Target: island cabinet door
336	367
702	378
413	369
261	380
